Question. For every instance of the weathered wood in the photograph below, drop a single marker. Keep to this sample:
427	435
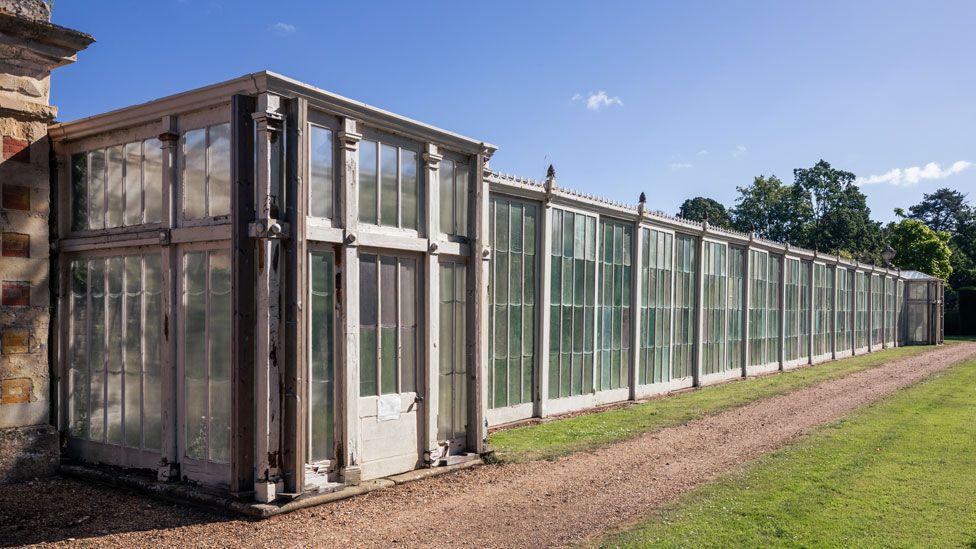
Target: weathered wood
429	385
478	280
294	424
243	266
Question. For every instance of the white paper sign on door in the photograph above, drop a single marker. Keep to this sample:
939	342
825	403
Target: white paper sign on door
388	407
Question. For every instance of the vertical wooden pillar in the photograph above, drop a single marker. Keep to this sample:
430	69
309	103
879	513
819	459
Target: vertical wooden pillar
347	380
747	293
781	355
699	307
268	120
242	266
430	377
169	138
870	300
811	314
544	303
834	313
480	264
637	258
294	280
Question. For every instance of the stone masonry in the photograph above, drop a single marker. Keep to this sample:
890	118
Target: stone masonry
30	47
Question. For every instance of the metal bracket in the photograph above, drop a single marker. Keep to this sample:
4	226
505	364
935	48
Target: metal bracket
271	229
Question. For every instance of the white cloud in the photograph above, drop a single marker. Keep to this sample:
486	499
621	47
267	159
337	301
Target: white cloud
702	152
283	28
598	101
680	166
907	177
739	151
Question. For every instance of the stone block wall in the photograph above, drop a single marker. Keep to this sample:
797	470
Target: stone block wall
30	47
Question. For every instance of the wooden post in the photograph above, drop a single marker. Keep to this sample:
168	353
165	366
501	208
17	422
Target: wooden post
347	380
637	255
699	307
480	265
242	263
781	355
430	378
293	285
543	302
747	292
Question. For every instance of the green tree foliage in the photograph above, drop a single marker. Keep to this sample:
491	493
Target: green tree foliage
920	248
701	208
840	218
943	210
772	209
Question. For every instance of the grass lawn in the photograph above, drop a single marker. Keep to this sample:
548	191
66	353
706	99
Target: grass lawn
589	431
898	473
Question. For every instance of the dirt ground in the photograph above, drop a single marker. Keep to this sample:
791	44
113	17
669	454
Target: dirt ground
553	503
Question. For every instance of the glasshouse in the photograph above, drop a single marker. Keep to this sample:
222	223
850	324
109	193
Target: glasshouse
264	288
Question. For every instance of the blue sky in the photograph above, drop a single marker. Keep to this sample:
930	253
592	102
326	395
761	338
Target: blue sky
677	99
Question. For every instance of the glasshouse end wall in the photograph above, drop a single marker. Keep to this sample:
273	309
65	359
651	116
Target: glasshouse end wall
268	289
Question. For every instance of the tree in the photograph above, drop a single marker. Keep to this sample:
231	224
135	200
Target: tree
840	218
920	248
701	208
942	210
771	209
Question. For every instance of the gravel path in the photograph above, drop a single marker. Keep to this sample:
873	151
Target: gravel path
531	504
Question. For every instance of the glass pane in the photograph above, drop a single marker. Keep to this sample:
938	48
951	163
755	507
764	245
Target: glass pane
152	383
194	173
96	190
114	355
96	346
79	191
194	354
114	204
219	164
152	179
133	351
388	185
368	309
219	328
446	196
461	186
410	198
408	323
322	170
133	183
368	185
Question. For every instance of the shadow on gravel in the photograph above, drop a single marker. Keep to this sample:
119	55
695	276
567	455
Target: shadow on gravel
61	509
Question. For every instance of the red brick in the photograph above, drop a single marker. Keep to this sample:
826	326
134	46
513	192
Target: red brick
15	390
15	341
15	245
16	197
17	150
15	294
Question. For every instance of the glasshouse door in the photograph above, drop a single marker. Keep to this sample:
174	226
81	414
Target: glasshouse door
204	359
452	402
321	374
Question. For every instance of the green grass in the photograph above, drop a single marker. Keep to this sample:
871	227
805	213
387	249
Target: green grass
590	431
900	473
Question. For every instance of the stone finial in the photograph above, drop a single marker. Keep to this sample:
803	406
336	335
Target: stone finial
551	173
550	184
641	204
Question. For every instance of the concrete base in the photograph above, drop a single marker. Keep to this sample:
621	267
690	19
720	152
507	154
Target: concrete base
28	452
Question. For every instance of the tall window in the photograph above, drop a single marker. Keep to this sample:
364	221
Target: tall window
656	289
387	324
454	197
389	190
321	377
759	270
322	173
452	404
114	351
117	186
889	285
714	304
512	287
792	309
820	324
773	326
572	304
805	304
206	172
737	303
844	295
685	292
861	310
877	309
831	313
613	340
207	354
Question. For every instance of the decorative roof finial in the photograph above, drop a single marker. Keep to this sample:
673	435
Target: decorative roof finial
641	205
550	184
